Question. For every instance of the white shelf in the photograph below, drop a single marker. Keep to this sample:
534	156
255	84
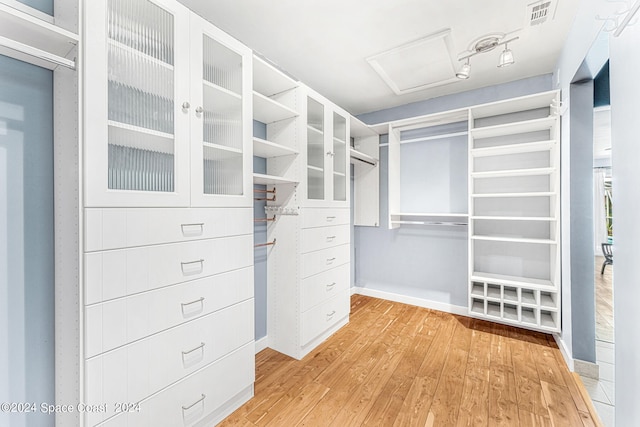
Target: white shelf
37	39
223	151
268	81
513	218
428	223
359	129
528	102
517	281
263	179
140	138
266	110
513	173
499	150
514	240
267	149
513	128
432	214
139	129
219	99
140	54
315	130
339	174
530	194
314	168
355	154
434	137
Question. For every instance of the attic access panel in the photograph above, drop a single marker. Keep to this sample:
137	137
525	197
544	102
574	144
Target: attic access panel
418	65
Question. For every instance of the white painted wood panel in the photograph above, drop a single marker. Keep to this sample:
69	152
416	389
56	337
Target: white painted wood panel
134	372
323	316
115	274
325	259
320	217
116	228
319	288
313	239
125	320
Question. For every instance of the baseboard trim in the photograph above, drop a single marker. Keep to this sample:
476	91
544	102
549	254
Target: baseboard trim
420	302
262	343
586	369
566	354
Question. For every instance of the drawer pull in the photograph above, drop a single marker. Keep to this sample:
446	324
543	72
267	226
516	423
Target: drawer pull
330	260
191	263
330	286
194	229
187	304
330	238
330	218
201	346
330	315
186	408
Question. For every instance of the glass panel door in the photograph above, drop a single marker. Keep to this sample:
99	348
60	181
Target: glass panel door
315	150
339	158
222	119
140	49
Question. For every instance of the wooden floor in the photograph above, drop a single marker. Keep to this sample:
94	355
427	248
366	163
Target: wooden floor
400	365
604	301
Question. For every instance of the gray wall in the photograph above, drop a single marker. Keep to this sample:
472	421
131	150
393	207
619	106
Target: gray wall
425	262
26	239
581	214
45	6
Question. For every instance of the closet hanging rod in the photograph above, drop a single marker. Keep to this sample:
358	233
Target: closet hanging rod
265	199
363	161
265	191
36	53
264	219
446	223
259	245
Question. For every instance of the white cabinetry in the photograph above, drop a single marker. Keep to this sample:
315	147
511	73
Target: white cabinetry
514	247
168	108
326	152
168	310
365	155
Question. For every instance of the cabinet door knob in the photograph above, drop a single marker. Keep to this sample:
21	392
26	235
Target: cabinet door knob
199	110
186	105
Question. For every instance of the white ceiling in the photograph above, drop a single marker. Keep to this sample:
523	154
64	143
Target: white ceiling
326	43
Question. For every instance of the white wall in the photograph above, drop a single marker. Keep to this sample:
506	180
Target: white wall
625	128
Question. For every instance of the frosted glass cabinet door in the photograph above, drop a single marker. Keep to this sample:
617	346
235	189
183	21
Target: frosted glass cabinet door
136	103
221	130
339	156
316	164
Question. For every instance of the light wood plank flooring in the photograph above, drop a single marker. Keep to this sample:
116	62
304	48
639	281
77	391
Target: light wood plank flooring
401	365
604	301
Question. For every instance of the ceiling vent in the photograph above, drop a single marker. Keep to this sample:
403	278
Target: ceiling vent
418	65
540	12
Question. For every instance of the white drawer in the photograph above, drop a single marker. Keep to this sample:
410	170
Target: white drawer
117	273
319	288
323	316
188	402
320	217
136	371
117	228
325	259
317	238
118	322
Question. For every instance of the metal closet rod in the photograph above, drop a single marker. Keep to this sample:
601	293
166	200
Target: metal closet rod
264	219
259	245
265	191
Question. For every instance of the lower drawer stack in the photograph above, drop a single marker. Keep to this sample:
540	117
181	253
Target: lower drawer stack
169	316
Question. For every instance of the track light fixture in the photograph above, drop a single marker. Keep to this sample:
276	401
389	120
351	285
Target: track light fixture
464	71
485	45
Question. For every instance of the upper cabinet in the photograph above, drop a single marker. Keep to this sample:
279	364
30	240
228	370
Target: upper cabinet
221	129
327	148
163	86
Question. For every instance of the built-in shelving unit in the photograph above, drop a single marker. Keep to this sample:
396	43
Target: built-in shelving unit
436	195
32	36
514	232
365	154
264	179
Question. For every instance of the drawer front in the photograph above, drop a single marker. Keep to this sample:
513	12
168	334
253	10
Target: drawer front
122	272
117	228
321	217
325	259
118	322
314	239
319	288
324	316
136	371
191	400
